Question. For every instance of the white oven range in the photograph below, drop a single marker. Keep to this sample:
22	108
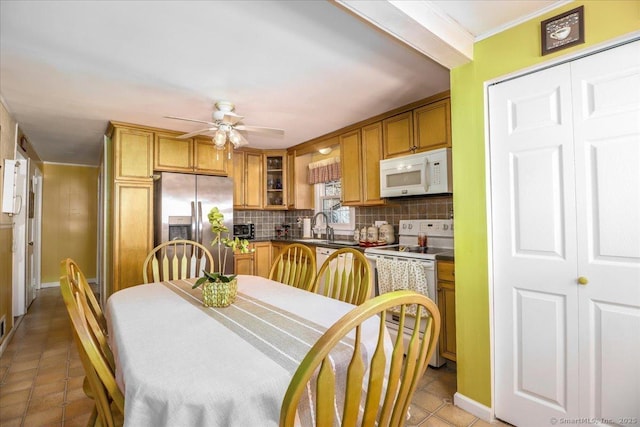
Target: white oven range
439	242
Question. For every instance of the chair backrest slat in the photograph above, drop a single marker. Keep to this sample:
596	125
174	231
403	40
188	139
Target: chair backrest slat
345	275
295	266
381	383
176	259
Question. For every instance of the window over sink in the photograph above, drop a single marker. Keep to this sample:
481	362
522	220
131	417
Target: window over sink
327	200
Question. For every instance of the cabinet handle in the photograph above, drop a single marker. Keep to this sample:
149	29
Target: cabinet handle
583	280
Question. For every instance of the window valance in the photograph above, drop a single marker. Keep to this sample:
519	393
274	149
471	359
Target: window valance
325	170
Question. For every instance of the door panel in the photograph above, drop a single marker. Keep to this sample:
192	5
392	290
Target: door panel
607	140
565	190
534	247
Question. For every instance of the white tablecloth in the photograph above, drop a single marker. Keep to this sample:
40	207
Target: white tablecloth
181	364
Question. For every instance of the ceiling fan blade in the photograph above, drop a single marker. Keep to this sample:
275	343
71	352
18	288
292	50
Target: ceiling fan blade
231	118
197	132
260	129
190	120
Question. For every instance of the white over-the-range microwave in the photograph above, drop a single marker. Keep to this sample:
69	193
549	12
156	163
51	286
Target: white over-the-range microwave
417	174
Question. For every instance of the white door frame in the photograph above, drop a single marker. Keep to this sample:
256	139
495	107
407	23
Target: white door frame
19	258
37	232
476	408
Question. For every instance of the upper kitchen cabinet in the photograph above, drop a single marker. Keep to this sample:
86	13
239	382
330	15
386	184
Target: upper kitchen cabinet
197	155
432	126
299	191
362	150
133	154
398	135
247	179
371	156
424	128
275	168
208	159
350	149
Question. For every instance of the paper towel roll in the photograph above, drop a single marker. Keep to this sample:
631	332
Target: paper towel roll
306	227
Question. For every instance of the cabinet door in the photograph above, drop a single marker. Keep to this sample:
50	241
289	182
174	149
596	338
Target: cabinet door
208	160
253	182
239	178
133	155
133	232
243	264
398	134
447	307
276	250
433	126
275	167
172	154
291	176
371	155
350	155
262	258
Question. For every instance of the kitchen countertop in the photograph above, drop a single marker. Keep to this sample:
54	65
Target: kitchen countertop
446	255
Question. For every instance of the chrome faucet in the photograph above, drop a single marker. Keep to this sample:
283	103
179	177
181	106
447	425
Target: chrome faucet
328	230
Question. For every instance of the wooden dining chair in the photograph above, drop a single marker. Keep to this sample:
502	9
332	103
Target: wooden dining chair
346	276
100	374
377	388
176	259
295	266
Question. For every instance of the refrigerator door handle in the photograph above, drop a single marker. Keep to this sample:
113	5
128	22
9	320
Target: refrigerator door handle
200	230
194	235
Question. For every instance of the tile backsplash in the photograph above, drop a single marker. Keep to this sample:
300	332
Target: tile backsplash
428	207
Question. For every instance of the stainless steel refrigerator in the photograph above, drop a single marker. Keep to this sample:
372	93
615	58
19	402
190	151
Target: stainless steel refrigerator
182	202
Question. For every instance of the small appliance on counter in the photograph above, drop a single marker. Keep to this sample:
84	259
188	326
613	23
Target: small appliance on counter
244	231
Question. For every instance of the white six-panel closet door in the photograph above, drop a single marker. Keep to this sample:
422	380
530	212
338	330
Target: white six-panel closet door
565	200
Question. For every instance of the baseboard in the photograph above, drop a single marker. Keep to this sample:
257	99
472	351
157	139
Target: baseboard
49	285
7	338
57	284
478	409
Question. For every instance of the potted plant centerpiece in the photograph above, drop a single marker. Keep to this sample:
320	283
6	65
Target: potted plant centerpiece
218	289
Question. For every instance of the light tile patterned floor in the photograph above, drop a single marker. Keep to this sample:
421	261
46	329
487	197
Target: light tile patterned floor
41	377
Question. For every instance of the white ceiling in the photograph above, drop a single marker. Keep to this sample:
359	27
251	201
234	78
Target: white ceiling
308	67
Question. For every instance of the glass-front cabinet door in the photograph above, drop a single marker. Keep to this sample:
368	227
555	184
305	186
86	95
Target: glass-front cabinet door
275	167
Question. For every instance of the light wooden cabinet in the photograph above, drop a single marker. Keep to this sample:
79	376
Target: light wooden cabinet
262	258
350	155
133	154
130	211
447	307
132	231
194	155
398	135
432	126
362	151
247	180
257	262
299	191
275	175
207	159
243	263
424	128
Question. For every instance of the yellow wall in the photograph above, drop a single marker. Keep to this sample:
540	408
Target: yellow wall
69	225
7	140
504	53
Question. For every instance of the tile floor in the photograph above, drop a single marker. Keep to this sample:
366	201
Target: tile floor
41	377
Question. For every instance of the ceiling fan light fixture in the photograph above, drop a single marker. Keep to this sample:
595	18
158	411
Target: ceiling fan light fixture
220	138
234	137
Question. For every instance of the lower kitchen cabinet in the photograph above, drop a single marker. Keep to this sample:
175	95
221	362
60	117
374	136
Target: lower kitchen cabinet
447	307
257	262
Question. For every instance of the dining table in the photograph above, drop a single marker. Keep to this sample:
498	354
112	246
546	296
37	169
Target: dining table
180	363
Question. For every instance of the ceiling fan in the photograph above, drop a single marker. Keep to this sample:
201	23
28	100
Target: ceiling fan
225	125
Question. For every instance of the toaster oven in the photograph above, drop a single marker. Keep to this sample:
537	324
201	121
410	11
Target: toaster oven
244	231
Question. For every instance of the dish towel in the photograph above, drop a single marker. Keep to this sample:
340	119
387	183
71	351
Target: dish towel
395	275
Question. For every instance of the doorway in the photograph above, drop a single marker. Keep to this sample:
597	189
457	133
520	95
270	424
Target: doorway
20	237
